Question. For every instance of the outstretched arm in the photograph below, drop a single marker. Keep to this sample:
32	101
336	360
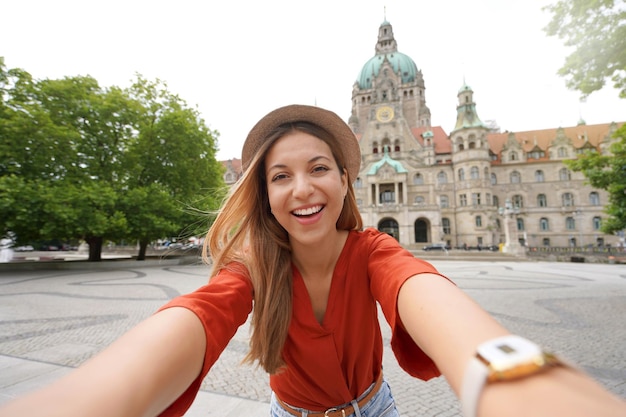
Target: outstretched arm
140	374
448	325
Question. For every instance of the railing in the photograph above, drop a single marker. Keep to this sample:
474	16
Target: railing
577	249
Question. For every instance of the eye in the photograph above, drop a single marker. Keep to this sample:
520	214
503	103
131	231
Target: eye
278	177
320	168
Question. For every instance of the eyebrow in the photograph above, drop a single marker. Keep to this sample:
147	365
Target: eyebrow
312	160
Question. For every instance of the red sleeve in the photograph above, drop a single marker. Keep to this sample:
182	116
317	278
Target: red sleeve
222	306
390	265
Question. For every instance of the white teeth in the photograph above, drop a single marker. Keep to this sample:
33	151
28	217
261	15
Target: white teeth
308	211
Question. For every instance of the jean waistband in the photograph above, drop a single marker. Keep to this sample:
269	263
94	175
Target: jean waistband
340	411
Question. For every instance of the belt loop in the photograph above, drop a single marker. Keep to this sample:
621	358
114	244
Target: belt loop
357	410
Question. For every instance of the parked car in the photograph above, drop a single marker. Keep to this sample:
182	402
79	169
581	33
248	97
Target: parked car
436	246
25	248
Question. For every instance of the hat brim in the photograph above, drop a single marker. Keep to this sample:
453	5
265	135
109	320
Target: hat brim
325	119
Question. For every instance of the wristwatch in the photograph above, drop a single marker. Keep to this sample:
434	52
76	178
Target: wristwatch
501	359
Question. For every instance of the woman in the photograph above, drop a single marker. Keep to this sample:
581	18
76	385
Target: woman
288	247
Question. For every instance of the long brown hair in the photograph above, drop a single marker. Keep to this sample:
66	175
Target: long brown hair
245	231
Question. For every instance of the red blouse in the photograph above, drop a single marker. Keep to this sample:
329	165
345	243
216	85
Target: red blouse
331	363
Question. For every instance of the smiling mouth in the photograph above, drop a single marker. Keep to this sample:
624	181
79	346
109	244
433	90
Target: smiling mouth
308	211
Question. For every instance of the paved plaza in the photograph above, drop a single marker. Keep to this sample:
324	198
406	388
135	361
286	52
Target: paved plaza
53	320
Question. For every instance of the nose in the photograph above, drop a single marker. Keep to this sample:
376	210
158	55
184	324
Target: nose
302	186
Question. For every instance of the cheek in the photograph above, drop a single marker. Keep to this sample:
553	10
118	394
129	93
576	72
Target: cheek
274	198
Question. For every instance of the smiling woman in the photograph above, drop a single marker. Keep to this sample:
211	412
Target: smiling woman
313	281
306	188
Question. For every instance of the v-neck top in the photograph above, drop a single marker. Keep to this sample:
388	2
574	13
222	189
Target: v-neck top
331	363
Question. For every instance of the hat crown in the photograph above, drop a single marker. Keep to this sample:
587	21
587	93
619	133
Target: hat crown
323	118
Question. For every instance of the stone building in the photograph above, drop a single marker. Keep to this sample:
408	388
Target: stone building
474	185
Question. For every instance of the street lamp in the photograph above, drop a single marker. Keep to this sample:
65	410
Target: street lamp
509	213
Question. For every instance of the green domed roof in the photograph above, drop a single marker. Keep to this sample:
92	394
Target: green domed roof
399	62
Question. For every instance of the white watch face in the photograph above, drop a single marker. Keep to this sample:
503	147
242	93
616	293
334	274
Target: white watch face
508	352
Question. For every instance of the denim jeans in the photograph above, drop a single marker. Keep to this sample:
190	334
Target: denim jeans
381	405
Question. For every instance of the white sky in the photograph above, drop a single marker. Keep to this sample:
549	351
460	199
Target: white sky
237	60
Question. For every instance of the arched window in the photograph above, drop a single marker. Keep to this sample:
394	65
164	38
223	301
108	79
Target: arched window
496	201
520	223
474	174
461	174
442	178
570	223
444	202
539	176
512	156
544	224
594	198
562	152
516	177
542	200
479	221
494	179
418	179
567	199
565	174
375	147
396	146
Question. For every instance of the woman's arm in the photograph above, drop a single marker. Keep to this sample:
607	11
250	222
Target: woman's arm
448	325
140	374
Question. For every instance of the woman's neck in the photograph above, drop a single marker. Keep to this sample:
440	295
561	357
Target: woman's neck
321	259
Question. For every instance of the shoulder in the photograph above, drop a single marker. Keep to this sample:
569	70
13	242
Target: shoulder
234	273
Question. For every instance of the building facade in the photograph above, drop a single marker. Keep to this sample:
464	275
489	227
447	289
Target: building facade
471	187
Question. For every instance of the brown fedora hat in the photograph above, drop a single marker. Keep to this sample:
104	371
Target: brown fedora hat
325	119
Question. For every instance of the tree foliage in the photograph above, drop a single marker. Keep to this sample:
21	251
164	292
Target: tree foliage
608	172
78	161
596	30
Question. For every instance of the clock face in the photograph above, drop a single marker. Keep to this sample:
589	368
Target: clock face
384	114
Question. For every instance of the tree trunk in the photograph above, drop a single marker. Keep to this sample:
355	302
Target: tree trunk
142	250
95	248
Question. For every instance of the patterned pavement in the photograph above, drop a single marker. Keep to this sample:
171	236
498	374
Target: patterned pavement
53	320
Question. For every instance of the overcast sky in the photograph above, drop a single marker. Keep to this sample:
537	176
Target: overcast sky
237	60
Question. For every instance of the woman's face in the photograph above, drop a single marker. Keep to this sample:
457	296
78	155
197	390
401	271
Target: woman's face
305	187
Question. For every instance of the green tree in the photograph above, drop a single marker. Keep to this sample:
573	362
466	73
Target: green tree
78	161
174	153
608	172
62	143
596	29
